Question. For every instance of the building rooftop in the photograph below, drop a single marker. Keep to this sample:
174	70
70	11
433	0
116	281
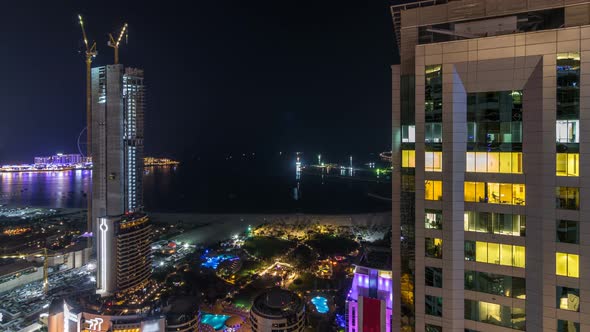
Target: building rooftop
277	303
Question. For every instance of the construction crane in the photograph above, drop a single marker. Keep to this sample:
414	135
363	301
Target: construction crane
90	54
115	43
43	254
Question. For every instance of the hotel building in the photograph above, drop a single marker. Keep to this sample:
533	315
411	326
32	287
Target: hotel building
491	166
122	233
368	304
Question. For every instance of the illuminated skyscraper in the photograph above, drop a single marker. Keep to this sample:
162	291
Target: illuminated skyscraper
490	190
122	235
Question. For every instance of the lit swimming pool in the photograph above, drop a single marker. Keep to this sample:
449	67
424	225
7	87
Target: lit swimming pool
217	321
213	262
321	304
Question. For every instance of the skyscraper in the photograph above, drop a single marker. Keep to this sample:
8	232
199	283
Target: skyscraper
122	231
490	194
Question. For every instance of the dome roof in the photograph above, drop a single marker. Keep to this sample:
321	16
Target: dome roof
234	321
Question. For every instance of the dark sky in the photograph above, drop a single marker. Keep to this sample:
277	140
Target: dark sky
222	76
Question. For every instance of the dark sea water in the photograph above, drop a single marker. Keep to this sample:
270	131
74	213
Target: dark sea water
249	184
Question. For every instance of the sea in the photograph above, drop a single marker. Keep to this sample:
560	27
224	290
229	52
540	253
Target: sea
241	183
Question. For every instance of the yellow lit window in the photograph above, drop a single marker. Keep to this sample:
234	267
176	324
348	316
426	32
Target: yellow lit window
567	265
506	255
518	194
494	193
433	161
469	188
481	252
567	164
494	162
409	158
519	256
433	190
517	162
505	163
494	253
500	254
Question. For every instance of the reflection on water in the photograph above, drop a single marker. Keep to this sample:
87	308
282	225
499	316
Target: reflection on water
279	185
51	189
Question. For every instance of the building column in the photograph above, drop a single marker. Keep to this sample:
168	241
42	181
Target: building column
396	198
454	148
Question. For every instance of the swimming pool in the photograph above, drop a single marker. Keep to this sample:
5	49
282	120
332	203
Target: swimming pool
213	262
321	304
217	321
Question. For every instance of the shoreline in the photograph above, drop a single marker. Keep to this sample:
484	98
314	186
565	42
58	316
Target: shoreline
209	228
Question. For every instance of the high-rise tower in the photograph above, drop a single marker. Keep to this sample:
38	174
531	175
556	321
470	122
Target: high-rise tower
117	145
490	192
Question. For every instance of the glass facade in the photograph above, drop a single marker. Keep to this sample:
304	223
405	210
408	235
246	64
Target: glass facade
567	164
433	277
568	298
567	125
523	22
495	193
495	314
567	265
567	326
408	134
407	200
408	158
494	162
433	190
567	198
495	284
433	328
433	305
494	121
495	253
568	231
433	247
433	219
495	223
433	109
433	161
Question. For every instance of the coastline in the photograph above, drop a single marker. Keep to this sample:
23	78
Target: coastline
209	228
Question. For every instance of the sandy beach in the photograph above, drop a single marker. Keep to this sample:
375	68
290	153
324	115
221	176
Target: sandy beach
217	227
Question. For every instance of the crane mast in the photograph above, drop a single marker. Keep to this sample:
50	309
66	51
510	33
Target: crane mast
90	53
115	43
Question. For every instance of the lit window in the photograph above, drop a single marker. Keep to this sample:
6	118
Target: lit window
567	326
433	247
567	198
433	161
494	162
567	131
409	134
433	219
409	158
567	265
433	190
433	132
498	254
567	164
496	193
568	298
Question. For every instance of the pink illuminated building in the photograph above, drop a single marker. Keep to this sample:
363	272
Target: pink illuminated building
368	305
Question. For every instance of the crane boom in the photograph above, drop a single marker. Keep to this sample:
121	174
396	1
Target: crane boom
115	43
83	31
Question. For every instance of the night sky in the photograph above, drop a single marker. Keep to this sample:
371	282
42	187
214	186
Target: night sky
222	76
